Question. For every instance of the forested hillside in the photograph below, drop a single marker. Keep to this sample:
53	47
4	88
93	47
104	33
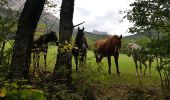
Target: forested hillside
49	21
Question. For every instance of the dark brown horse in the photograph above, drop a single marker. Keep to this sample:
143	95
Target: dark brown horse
82	46
107	48
40	45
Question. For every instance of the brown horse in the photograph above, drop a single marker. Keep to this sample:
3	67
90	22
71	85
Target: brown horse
107	48
40	45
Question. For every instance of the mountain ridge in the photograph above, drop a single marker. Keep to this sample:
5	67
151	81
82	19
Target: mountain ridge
92	37
99	32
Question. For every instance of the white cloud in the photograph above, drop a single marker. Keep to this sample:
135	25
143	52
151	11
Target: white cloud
102	15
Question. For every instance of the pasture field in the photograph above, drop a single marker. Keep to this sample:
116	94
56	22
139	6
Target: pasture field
126	67
105	86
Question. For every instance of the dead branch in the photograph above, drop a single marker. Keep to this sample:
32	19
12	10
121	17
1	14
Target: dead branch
78	24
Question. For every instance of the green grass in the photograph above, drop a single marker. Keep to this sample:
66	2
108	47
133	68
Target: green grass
126	67
128	72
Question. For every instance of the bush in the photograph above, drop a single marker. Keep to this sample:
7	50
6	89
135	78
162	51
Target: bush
11	91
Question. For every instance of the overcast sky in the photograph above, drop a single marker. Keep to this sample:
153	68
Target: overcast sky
102	15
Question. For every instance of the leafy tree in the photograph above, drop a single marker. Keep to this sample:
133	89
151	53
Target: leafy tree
7	26
149	15
24	37
152	17
8	22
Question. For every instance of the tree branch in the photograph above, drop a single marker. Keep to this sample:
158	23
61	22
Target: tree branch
53	23
78	24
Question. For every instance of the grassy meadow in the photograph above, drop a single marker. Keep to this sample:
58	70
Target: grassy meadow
104	85
126	67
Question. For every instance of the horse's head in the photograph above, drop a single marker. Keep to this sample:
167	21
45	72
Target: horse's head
129	49
117	41
80	37
51	36
81	31
98	56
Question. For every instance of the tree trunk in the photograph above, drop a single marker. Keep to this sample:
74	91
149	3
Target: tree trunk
24	36
63	68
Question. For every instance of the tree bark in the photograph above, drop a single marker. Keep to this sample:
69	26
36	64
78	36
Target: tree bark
24	36
63	68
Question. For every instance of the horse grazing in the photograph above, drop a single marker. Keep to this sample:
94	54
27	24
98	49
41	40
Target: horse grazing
80	53
41	45
134	50
107	48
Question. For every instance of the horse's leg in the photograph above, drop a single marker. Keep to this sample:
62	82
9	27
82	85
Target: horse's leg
140	62
38	61
85	57
109	63
45	60
136	64
45	56
76	62
150	64
116	57
82	59
33	58
34	63
145	67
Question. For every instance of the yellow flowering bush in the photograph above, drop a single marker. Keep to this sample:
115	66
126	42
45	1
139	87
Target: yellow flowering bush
66	47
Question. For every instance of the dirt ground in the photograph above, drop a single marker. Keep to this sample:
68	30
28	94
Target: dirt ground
123	92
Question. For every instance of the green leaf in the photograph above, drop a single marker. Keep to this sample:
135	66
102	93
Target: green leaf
25	94
14	85
12	95
27	86
3	92
38	95
38	91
